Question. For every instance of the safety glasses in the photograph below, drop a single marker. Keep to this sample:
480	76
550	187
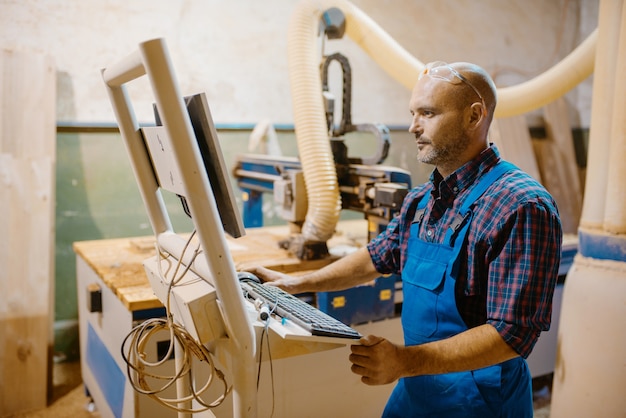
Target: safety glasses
443	71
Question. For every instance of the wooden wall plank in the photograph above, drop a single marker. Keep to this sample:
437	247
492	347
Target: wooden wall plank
512	137
554	172
552	161
559	133
27	184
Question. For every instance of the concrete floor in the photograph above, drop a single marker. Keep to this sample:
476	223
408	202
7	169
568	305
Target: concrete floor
69	399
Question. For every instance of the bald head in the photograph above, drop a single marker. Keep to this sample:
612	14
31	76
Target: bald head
477	78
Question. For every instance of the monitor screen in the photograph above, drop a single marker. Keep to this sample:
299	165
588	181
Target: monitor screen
214	164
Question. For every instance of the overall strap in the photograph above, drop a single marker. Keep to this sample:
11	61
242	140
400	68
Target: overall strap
463	216
485	181
455	235
419	211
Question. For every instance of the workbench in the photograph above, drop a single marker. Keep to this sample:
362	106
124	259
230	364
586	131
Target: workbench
316	384
114	295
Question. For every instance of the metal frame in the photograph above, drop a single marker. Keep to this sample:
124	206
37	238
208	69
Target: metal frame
152	59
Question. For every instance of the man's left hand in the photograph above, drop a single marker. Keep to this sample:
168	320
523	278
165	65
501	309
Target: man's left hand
375	360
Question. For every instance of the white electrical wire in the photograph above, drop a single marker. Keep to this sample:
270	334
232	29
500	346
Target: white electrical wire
265	333
141	371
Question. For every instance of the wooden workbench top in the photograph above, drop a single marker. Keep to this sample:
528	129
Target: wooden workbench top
118	262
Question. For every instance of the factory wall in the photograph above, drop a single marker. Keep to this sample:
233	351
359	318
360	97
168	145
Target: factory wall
236	52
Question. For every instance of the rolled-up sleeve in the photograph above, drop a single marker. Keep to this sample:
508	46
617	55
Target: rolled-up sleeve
384	249
526	253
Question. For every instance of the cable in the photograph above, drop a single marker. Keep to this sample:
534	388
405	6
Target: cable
265	333
264	310
143	373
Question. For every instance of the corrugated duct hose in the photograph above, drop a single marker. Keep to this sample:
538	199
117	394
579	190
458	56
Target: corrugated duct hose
324	201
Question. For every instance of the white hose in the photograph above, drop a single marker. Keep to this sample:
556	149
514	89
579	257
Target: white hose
310	125
609	18
309	114
550	85
614	213
309	117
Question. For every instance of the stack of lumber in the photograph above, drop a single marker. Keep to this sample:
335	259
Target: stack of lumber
27	181
551	160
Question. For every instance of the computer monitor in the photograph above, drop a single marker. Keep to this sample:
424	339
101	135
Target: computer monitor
208	143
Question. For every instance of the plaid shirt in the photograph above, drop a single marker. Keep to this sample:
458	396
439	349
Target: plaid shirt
508	274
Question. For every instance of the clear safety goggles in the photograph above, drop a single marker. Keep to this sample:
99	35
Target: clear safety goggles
443	71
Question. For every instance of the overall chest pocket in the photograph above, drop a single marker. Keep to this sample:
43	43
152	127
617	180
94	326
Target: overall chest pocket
422	286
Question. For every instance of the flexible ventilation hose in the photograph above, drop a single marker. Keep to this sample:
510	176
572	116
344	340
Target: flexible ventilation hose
550	85
310	125
309	114
309	117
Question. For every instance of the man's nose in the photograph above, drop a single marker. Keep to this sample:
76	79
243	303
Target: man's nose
415	127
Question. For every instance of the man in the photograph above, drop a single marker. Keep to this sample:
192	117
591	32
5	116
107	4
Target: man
478	248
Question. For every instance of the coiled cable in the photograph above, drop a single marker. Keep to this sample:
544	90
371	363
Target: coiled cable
142	372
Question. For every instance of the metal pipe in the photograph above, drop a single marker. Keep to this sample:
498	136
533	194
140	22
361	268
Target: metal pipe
152	59
139	158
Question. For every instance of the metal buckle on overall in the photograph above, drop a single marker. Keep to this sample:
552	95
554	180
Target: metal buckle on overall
457	223
419	215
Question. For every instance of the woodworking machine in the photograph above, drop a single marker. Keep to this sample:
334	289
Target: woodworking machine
364	184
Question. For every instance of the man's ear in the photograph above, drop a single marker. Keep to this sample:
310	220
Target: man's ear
477	115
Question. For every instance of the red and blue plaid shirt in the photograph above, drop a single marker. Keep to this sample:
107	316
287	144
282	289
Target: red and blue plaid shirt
508	274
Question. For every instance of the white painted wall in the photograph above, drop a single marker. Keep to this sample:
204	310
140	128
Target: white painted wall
236	50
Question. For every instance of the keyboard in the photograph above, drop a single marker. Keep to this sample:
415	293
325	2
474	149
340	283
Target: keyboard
295	309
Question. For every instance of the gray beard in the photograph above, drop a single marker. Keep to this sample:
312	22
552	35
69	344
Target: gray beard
443	155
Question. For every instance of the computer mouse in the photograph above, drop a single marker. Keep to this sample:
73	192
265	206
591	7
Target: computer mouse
244	275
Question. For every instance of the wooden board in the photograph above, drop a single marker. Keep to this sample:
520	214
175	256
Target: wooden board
27	182
559	133
118	263
512	137
553	169
552	161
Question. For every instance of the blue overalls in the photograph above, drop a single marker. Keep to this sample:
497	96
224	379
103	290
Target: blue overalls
429	313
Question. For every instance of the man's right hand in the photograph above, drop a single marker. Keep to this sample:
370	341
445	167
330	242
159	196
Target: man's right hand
290	284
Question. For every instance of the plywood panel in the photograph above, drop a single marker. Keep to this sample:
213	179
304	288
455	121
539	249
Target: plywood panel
27	167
